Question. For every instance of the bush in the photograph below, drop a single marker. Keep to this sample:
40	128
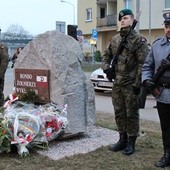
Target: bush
97	56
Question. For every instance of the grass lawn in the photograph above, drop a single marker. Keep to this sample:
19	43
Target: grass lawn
148	150
89	67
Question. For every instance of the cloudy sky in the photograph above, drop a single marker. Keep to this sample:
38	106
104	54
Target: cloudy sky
36	16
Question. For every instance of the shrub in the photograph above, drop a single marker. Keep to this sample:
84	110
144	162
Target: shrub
98	56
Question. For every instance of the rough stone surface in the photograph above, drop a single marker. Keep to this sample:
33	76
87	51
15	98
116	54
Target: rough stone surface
62	55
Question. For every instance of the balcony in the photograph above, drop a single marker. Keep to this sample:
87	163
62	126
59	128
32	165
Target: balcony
105	1
107	22
101	1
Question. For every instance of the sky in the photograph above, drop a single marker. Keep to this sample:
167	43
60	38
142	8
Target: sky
37	16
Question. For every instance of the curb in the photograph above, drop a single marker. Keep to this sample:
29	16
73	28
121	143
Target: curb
150	97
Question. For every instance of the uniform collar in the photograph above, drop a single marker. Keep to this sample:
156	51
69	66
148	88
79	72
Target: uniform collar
164	41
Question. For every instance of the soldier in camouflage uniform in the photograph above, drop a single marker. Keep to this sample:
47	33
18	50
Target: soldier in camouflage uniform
126	86
4	59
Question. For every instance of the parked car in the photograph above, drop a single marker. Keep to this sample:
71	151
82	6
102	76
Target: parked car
100	81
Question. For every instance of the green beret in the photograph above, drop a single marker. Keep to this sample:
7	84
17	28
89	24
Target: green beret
124	12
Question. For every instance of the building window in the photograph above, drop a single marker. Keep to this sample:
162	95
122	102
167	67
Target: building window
167	3
128	4
89	14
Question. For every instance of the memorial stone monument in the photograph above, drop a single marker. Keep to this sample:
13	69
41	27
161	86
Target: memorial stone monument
68	84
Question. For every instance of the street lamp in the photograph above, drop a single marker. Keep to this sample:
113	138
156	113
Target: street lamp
73	9
150	36
137	14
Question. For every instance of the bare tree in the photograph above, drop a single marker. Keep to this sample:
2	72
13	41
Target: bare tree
16	31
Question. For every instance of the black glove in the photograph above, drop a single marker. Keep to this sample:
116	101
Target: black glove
165	63
149	84
136	90
109	74
1	80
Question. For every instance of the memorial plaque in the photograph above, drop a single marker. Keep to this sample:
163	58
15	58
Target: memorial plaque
34	79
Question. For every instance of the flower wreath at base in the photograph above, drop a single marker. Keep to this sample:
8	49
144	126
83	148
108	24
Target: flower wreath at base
28	125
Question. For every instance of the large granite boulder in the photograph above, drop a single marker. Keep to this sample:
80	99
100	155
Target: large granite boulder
62	55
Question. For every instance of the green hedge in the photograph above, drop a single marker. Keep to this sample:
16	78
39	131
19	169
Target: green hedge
97	56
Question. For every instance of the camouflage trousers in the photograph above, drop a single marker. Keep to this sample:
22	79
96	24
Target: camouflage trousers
1	92
126	107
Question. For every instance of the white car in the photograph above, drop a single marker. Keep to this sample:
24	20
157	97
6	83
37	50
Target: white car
100	81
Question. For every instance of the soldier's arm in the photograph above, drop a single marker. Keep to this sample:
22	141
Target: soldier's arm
107	57
110	51
4	63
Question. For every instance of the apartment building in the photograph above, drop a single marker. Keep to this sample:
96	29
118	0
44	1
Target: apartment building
102	16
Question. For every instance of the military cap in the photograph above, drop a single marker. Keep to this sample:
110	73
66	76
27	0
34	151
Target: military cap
124	12
166	16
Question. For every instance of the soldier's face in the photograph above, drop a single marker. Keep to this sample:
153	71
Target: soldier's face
167	30
126	21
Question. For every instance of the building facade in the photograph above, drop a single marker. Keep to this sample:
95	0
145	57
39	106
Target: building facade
102	15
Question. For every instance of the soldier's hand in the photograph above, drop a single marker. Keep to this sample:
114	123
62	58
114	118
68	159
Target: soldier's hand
149	84
109	74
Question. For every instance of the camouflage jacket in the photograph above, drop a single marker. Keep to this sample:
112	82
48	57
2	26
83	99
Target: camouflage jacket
4	59
130	61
